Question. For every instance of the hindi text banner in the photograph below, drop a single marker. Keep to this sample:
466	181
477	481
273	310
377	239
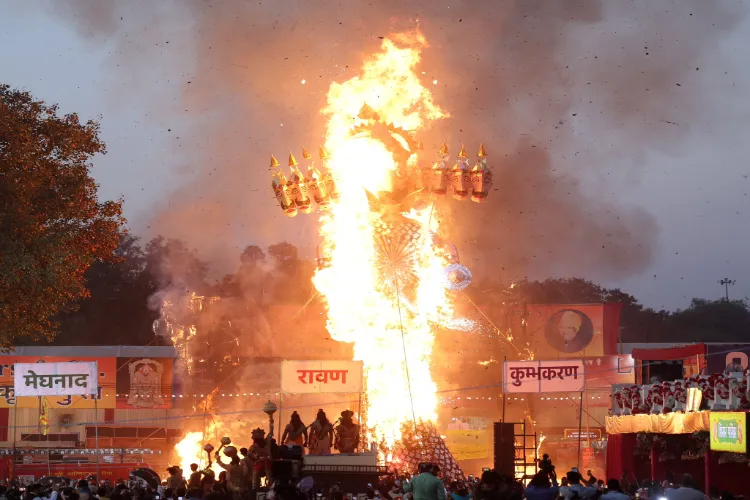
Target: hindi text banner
313	377
533	377
56	379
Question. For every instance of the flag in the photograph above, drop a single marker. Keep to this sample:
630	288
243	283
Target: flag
44	417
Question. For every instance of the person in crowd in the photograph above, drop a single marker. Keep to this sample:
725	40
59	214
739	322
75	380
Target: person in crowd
175	479
459	491
426	486
590	479
542	488
195	477
688	490
220	486
575	489
208	481
614	491
84	493
488	486
194	494
101	493
259	455
236	480
625	482
347	433
545	465
321	435
295	433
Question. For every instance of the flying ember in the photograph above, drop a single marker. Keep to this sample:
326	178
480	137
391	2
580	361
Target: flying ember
386	275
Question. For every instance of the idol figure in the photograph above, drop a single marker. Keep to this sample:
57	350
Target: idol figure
347	433
295	432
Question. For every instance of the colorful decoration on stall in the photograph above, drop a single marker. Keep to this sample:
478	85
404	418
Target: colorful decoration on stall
720	392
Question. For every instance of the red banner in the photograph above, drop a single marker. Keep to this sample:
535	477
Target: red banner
112	472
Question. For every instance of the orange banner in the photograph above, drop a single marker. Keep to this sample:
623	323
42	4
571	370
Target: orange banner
107	384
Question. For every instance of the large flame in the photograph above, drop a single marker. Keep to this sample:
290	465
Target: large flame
381	325
190	451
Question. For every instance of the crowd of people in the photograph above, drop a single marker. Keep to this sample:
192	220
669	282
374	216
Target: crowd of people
426	484
246	468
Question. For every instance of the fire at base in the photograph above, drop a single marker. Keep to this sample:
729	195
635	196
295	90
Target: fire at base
384	272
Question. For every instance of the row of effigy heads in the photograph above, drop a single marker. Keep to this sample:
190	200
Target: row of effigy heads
462	179
296	194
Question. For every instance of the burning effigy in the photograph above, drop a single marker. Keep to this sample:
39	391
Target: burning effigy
385	274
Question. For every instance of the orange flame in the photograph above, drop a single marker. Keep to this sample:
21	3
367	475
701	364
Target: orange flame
358	311
190	451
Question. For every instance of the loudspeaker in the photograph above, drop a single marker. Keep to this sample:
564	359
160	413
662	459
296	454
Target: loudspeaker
505	452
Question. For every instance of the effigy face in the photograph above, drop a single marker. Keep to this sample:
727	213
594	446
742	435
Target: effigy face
397	244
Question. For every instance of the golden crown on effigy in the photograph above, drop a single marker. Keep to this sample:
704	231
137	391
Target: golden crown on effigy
297	192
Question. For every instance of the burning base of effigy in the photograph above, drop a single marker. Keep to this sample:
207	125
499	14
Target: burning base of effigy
423	443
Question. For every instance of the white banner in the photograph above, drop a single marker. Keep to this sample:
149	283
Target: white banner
56	379
306	377
563	375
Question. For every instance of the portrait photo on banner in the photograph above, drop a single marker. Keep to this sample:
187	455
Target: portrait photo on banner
565	330
144	383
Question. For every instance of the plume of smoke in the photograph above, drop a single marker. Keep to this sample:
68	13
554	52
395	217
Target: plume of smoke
557	92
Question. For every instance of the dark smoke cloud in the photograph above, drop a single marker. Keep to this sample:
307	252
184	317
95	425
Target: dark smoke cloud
557	91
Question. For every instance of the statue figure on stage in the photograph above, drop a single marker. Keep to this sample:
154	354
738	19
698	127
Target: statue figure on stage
347	433
260	457
295	432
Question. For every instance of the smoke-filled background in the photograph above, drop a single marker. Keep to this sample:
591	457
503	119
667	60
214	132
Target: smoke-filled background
580	104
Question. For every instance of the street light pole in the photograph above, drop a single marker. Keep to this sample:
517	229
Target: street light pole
726	282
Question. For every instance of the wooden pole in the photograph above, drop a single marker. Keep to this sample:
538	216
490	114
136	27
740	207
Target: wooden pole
96	435
361	446
15	434
281	403
580	425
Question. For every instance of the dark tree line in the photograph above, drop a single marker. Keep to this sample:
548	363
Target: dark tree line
123	302
118	311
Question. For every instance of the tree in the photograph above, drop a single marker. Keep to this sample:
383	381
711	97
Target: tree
118	304
285	257
172	263
252	256
712	320
52	225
